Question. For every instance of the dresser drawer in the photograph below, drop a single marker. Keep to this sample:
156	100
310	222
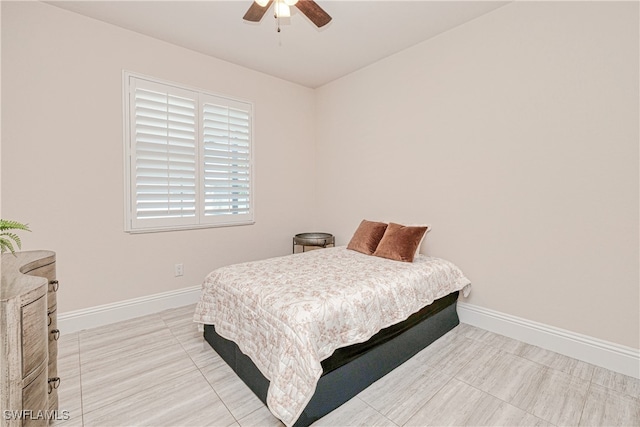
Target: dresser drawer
35	399
48	271
53	357
35	343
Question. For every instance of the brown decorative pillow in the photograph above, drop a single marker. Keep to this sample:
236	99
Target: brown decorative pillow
400	242
367	237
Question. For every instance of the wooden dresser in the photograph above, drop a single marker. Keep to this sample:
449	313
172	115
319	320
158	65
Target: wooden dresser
28	339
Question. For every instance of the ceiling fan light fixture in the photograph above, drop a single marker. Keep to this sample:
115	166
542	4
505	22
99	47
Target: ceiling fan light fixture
282	9
308	8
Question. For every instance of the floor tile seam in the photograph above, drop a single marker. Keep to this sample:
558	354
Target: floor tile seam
546	368
202	373
636	398
128	339
484	340
531	360
235	422
455	374
378	412
117	401
137	350
220	397
80	375
98	337
185	350
133	347
429	367
246	416
433	366
154	364
555	369
124	371
426	402
143	388
584	404
593	371
134	332
374	409
174	321
141	353
505	401
617	390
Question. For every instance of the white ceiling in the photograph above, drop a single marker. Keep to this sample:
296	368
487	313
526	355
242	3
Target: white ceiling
360	33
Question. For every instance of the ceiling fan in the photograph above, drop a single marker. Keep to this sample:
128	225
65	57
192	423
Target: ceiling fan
281	10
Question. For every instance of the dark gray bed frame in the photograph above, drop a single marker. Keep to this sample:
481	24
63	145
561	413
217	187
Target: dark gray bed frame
344	382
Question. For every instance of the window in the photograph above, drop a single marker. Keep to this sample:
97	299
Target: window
188	157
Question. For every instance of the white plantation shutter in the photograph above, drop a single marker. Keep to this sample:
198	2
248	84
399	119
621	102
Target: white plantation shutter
189	156
226	159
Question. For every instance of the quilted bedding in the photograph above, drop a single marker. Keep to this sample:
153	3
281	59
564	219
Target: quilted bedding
290	313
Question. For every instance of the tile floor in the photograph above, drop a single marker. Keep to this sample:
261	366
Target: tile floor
157	370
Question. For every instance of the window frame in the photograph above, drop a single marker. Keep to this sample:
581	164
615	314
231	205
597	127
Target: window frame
133	224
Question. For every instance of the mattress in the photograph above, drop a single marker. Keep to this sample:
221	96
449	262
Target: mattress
357	366
288	314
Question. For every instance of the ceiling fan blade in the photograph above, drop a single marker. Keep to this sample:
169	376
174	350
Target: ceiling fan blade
256	12
315	13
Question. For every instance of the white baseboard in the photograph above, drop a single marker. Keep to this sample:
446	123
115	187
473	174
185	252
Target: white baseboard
106	314
615	357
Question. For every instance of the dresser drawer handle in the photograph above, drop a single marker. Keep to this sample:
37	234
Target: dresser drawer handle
55	285
56	334
54	383
49	313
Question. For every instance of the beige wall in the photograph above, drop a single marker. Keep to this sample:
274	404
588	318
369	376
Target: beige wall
62	155
516	137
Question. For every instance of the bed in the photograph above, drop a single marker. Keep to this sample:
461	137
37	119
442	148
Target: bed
309	331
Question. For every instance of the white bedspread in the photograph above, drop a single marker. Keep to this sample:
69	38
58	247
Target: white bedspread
289	313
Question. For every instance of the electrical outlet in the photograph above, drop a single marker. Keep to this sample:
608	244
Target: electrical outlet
179	270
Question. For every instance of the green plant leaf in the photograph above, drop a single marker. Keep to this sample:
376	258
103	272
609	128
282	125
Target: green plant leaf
6	238
13	237
6	224
5	245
